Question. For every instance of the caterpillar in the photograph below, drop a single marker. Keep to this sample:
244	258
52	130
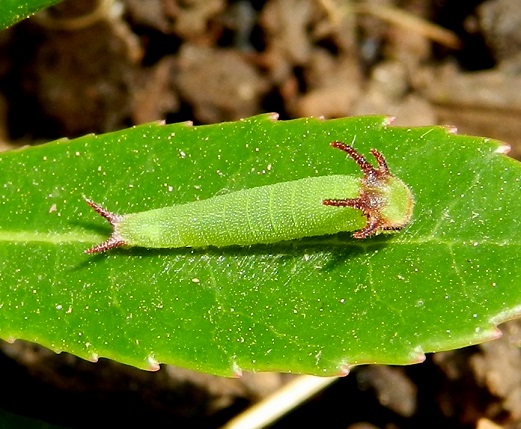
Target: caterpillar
374	203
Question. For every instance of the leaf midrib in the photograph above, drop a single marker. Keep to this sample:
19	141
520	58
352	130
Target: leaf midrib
90	238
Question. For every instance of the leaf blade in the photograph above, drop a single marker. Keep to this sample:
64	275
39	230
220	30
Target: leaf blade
314	306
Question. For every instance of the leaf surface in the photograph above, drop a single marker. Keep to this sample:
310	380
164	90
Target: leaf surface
12	11
313	306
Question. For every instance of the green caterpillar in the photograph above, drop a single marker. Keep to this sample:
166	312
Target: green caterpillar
374	203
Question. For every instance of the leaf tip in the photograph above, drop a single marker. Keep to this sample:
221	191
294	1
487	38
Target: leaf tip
495	333
388	120
417	355
236	370
451	129
153	364
343	369
490	334
503	148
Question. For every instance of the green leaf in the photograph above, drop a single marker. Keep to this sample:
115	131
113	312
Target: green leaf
314	306
12	11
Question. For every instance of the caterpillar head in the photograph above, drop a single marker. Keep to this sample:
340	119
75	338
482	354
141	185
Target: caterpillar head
385	200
